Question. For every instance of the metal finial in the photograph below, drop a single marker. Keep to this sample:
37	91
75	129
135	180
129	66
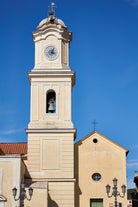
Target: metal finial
52	9
94	124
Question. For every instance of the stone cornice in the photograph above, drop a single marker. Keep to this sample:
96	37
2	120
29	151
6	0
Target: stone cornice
54	73
57	131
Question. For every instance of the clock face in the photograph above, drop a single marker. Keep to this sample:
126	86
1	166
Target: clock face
51	52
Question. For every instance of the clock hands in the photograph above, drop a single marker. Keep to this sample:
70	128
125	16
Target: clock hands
52	51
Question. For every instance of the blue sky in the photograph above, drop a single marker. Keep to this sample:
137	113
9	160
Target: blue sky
104	55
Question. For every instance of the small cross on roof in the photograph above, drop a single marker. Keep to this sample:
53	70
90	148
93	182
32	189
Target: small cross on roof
94	124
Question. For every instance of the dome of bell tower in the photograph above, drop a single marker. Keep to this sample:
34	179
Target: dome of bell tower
50	20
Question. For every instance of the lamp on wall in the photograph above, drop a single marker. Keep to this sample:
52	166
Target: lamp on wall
115	191
23	194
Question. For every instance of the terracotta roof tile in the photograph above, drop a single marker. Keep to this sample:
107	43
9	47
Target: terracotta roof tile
13	148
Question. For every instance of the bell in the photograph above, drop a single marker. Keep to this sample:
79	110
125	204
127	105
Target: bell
51	107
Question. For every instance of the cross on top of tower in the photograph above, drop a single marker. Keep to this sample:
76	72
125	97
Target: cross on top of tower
52	9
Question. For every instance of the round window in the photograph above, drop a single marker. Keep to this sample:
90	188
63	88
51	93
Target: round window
96	176
95	140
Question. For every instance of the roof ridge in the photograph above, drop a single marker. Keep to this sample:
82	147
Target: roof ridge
13	142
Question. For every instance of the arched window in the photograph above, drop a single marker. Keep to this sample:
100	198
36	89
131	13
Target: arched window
51	102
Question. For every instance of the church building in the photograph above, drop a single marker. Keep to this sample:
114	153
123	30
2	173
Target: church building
50	170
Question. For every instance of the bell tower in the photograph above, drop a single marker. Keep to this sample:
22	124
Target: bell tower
50	131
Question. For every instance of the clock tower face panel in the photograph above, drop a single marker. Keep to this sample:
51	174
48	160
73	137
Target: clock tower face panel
48	53
51	49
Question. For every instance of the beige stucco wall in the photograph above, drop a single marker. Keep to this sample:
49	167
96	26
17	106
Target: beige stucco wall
51	155
104	157
52	194
39	198
10	177
62	193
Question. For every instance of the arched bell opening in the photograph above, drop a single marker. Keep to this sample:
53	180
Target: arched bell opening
51	102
